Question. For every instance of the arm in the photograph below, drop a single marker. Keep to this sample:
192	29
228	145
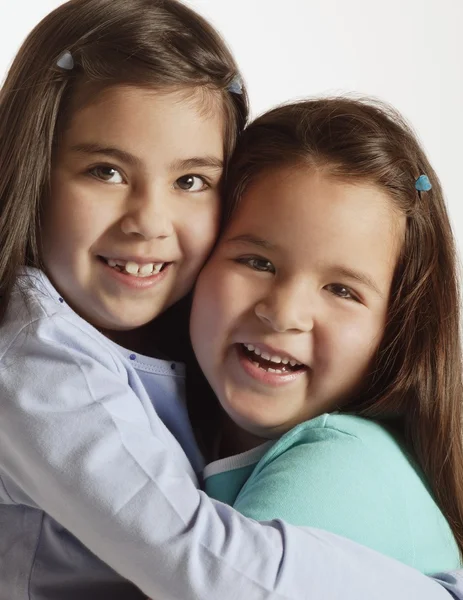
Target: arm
78	443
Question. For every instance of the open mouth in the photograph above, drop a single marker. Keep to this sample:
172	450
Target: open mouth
132	268
270	364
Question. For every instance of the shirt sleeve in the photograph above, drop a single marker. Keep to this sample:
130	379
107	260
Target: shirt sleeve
76	441
453	582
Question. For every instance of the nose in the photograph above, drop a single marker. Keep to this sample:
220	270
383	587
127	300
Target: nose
287	307
148	215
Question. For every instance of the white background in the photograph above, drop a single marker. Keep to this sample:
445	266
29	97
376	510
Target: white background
407	52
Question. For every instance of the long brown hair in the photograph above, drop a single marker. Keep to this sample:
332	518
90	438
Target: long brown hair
416	381
157	43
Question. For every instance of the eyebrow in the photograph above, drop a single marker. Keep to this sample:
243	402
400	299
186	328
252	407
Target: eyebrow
247	238
122	155
211	162
337	270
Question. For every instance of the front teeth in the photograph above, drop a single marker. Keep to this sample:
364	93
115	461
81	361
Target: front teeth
135	269
275	358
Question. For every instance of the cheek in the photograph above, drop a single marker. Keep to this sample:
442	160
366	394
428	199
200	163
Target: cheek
73	217
203	317
208	311
200	228
216	306
355	343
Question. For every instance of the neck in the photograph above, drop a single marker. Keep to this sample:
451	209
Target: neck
165	337
235	440
139	340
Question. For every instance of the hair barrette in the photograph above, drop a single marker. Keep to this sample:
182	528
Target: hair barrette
422	184
65	61
236	85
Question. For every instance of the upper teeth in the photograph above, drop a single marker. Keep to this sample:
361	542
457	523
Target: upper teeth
135	269
273	358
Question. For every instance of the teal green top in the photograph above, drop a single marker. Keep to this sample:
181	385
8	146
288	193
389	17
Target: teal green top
347	475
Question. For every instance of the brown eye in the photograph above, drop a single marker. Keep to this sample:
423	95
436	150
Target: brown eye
191	183
106	173
341	291
257	264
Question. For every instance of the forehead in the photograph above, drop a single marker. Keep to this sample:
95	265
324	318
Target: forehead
140	119
306	213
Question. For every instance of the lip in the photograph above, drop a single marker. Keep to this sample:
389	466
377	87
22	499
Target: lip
133	282
274	351
264	377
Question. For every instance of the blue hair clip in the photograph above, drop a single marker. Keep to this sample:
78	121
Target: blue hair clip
236	85
422	184
65	61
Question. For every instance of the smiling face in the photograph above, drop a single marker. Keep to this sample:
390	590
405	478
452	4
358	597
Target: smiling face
291	307
134	204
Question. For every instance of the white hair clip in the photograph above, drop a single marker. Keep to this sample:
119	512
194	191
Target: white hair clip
236	85
65	61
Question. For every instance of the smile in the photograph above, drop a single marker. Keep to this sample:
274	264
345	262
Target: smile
130	267
272	363
269	370
273	371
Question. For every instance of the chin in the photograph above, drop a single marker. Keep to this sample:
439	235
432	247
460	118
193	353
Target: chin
111	323
130	325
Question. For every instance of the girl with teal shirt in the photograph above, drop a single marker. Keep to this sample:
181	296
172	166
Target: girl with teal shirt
327	325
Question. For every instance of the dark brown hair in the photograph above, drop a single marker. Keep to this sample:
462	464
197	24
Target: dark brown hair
156	43
416	382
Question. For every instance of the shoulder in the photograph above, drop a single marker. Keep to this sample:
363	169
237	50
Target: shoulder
328	467
354	477
37	317
337	429
321	473
347	445
350	475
